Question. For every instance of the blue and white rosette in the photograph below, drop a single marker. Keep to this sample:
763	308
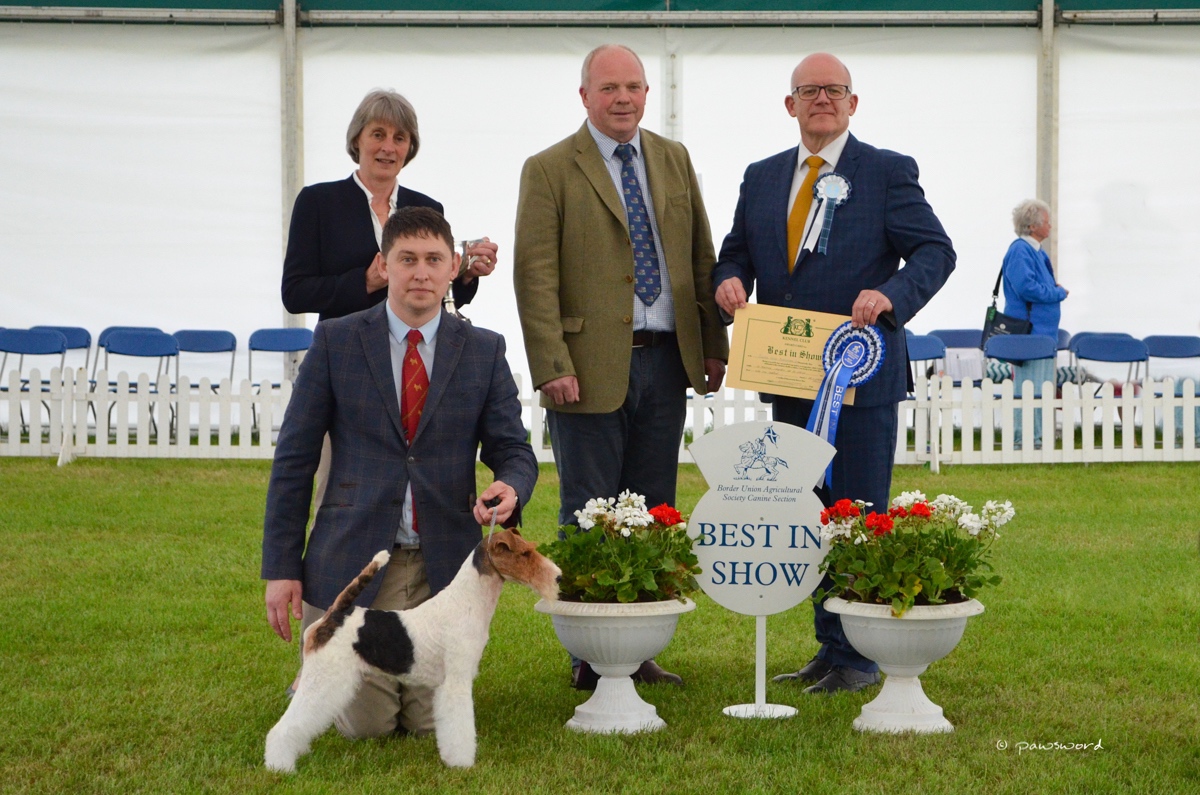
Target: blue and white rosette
830	192
851	358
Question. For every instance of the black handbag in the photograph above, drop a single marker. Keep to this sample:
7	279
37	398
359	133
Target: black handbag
996	322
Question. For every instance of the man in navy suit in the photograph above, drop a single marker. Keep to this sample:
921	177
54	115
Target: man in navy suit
397	483
884	220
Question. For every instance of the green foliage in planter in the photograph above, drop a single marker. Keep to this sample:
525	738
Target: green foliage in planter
918	553
624	553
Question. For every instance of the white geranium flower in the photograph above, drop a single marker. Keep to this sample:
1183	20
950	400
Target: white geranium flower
907	498
998	514
971	522
950	506
626	532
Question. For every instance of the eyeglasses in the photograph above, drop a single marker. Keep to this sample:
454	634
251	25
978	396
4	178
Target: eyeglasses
809	93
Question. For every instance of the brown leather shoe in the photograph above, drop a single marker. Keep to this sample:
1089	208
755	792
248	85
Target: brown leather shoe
583	677
813	671
651	674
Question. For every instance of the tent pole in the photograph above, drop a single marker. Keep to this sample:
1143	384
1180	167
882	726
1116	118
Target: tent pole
1047	118
292	129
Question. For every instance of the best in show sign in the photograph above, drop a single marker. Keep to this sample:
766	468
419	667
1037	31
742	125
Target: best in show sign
757	529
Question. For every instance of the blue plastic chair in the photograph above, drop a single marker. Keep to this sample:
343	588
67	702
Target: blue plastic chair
78	339
924	348
1021	347
276	340
958	337
28	342
206	342
102	341
1064	339
1112	348
146	345
1170	346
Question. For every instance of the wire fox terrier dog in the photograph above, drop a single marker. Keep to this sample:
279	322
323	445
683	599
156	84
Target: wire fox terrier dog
437	644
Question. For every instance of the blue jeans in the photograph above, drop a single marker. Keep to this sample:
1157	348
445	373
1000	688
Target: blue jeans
1037	371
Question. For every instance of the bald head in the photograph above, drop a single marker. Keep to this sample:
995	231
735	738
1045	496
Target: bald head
825	64
822	118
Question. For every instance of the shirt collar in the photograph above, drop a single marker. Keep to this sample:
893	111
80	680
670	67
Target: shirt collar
832	151
391	199
399	329
1032	241
609	145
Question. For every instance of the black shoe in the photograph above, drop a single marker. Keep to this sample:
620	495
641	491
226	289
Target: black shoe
843	678
651	674
583	677
813	671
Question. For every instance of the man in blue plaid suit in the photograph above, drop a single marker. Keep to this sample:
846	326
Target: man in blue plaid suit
415	496
884	219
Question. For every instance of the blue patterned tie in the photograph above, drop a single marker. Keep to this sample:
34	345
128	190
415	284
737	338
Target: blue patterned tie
641	237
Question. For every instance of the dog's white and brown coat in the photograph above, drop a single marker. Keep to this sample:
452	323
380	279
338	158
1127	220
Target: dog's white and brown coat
437	644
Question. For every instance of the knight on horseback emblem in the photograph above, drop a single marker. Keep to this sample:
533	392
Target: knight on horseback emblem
754	456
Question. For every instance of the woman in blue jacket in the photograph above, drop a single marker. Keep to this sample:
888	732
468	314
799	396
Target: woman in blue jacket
1031	292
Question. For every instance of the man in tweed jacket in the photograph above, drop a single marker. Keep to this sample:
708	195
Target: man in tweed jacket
349	386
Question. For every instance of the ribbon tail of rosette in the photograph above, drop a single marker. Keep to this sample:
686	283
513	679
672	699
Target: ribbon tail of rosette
813	225
827	408
826	225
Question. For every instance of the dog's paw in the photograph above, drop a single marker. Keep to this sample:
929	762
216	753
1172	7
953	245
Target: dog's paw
280	765
458	761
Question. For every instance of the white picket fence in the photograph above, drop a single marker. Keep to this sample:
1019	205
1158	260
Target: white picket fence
67	417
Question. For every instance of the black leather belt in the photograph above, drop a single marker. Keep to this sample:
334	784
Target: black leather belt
651	339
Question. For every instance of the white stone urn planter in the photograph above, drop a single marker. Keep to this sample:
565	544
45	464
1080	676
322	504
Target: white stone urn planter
615	639
903	647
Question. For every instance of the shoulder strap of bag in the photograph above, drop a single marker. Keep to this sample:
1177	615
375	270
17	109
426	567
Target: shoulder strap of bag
996	293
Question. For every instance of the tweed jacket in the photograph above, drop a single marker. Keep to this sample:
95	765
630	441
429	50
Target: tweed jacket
346	388
573	269
885	219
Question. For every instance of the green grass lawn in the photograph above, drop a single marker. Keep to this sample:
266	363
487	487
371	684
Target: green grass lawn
135	655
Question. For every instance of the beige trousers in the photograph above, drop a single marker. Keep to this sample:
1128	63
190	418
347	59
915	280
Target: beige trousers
383	705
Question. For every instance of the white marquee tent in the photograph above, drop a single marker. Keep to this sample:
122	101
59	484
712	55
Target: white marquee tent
141	165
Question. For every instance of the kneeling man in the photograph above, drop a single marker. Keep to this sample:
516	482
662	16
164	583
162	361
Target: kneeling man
408	394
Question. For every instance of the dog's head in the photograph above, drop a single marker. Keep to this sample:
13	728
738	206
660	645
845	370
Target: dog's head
514	558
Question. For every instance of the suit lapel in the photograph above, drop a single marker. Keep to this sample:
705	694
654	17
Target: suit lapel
779	188
587	155
359	210
848	163
378	351
656	173
451	336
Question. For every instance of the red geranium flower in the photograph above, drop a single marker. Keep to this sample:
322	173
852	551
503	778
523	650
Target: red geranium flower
921	509
898	511
667	515
880	523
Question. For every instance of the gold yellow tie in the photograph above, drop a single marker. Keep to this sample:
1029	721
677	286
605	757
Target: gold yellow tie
800	209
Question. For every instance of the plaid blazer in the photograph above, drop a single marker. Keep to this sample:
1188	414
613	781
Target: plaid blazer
345	388
885	219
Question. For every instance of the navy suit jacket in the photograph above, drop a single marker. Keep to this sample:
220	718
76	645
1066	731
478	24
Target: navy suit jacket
885	219
345	388
331	242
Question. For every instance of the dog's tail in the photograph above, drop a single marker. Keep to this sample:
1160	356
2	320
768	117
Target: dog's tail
346	598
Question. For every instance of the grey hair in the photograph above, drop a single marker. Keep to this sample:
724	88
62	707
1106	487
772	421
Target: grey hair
585	74
1028	214
389	107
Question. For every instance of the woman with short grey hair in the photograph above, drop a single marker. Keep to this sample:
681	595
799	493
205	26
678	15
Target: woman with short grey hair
337	227
1032	293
